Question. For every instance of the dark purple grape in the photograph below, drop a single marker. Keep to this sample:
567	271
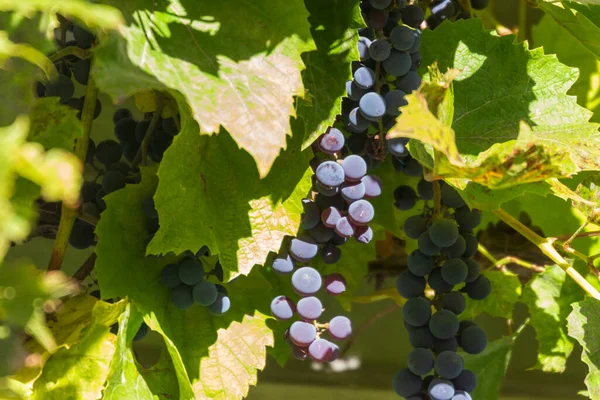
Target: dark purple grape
352	191
344	227
353	91
309	308
282	308
332	142
355	168
373	186
335	284
283	264
402	38
397	64
363	48
361	212
330	216
303	248
330	254
306	281
302	333
372	105
330	173
393	101
340	328
363	234
379	50
321	233
364	78
321	350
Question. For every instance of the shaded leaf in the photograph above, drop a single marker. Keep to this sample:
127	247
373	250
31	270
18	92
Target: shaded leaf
584	326
506	291
53	124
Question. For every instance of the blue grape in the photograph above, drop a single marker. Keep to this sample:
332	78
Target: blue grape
414	226
321	350
363	48
453	301
205	293
302	333
402	38
406	384
108	152
330	216
457	249
321	233
473	268
410	285
420	361
376	19
468	219
182	297
441	345
443	232
461	395
397	147
191	272
417	311
364	77
393	101
169	276
415	59
466	381
361	212
363	234
471	245
380	4
417	44
420	337
448	364
61	87
303	248
398	63
326	190
330	254
413	16
405	197
373	186
440	389
330	173
282	308
81	70
112	181
372	106
479	289
220	306
413	168
357	122
473	340
335	284
306	281
379	50
353	91
120	114
332	142
451	197
83	38
425	189
352	191
340	328
355	168
345	228
139	130
409	82
443	324
309	308
426	246
454	271
420	264
82	235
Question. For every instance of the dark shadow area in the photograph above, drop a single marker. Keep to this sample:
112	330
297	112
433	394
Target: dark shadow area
201	31
490	98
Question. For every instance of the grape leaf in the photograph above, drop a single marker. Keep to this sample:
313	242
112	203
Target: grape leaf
124	381
329	66
210	194
53	124
484	198
506	291
236	64
492	118
579	21
583	324
490	366
551	36
123	270
79	371
588	198
548	296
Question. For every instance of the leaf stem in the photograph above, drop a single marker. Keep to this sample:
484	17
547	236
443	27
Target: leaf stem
545	245
70	51
484	252
143	151
68	214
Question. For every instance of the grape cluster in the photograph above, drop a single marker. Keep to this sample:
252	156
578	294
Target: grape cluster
443	262
442	10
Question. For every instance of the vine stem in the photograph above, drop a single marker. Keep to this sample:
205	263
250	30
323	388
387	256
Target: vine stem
70	51
437	199
86	268
143	151
545	245
68	214
508	260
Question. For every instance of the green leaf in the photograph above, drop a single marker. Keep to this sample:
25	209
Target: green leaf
329	66
235	64
484	198
492	118
584	326
79	371
549	34
506	291
124	381
588	199
548	296
53	124
577	20
490	366
215	197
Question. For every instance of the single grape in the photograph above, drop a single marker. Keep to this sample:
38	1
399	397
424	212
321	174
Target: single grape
191	272
420	361
326	190
221	305
332	142
205	293
330	174
373	186
454	271
393	101
409	82
443	324
142	332
108	152
100	193
420	337
479	4
330	254
363	48
88	191
406	384
321	350
306	281
402	38
473	268
443	9
443	232
311	216
464	325
414	226
363	234
413	168
473	340
353	91
420	264
466	381
372	105
397	147
357	141
309	308
81	70
441	345
364	78
302	333
82	235
122	167
169	276
479	289
61	87
380	4
415	59
426	246
330	201
83	38
440	389
457	249
355	168
405	197
461	395
345	228
352	191
448	364
112	181
140	129
182	297
303	248
451	197
471	245
120	114
417	311
222	290
299	353
130	150
335	284
321	233
379	50
357	122
453	301
466	218
218	271
361	212
91	209
330	216
398	63
282	308
376	19
410	285
340	328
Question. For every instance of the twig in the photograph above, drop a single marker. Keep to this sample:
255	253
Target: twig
545	245
508	260
437	199
484	252
143	151
86	268
365	326
70	51
68	214
579	235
